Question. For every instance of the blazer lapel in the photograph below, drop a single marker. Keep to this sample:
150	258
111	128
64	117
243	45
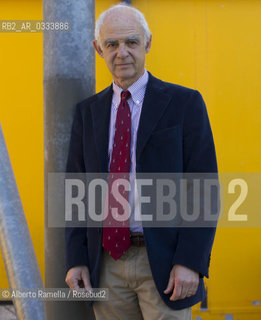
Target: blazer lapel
154	104
101	110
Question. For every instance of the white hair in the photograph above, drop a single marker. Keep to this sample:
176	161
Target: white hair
139	16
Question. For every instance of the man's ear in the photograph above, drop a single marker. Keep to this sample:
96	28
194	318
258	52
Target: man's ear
97	48
148	45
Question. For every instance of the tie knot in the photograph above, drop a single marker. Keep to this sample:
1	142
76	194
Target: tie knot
125	95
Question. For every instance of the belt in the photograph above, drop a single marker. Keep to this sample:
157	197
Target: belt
137	240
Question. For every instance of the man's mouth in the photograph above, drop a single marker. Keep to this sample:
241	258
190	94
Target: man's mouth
122	64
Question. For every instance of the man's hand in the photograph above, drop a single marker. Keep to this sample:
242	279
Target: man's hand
183	282
78	277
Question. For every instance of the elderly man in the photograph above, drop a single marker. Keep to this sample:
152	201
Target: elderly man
139	124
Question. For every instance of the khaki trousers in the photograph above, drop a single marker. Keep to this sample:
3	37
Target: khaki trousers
132	291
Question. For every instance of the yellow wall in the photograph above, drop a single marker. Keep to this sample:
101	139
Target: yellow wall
212	46
21	115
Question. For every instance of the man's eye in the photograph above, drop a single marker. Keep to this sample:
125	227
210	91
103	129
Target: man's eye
111	45
132	42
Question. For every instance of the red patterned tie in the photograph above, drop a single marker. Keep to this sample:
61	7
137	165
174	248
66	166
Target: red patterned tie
116	233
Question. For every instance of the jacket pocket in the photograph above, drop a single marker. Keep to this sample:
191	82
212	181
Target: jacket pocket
164	134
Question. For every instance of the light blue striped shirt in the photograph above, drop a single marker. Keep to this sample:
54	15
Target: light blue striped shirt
137	90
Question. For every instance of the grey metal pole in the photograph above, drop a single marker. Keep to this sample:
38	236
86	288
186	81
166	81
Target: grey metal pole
16	244
69	77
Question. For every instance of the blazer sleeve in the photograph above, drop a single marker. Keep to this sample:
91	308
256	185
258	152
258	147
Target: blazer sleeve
76	237
195	243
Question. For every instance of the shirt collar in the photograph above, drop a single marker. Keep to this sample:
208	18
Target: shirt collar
137	90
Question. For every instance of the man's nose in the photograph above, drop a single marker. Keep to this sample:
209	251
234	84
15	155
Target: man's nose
122	51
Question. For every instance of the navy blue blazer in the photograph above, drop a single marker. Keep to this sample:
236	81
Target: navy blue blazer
174	136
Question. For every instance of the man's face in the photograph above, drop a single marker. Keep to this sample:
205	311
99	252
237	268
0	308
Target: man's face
122	47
